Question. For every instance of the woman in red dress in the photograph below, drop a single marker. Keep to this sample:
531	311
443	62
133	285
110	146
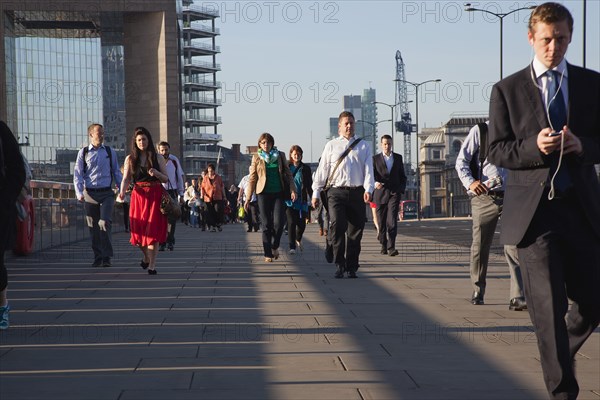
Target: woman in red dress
148	226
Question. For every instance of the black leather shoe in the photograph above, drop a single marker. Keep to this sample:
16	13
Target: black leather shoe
144	265
329	253
106	263
383	251
394	253
517	304
152	272
477	299
170	246
339	273
161	247
97	263
352	275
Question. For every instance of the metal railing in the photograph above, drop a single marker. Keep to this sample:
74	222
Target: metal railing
60	218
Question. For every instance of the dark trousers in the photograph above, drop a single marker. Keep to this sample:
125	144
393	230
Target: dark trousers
252	216
7	233
172	221
560	260
323	217
126	216
101	209
296	224
347	222
214	213
387	216
272	219
185	213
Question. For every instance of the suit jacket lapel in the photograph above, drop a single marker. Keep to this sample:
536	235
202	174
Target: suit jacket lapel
531	92
381	165
575	86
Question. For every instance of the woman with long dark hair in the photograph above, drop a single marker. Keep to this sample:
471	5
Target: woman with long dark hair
148	226
271	179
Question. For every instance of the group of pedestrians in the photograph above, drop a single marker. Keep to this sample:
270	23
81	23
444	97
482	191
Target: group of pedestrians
205	201
532	162
146	174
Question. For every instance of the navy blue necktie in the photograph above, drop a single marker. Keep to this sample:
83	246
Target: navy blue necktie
557	111
556	107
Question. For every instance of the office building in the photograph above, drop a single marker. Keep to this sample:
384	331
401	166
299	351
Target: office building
121	63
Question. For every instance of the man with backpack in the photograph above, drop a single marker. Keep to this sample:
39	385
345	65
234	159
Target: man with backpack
95	176
485	185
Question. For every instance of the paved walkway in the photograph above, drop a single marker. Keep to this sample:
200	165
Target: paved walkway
219	323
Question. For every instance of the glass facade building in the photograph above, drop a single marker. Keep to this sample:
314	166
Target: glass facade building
62	75
66	65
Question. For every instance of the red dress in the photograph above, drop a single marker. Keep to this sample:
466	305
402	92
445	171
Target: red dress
147	224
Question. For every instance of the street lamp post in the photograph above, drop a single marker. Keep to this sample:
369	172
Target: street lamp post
374	125
500	16
416	86
392	109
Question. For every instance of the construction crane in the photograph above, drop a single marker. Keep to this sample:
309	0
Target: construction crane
404	120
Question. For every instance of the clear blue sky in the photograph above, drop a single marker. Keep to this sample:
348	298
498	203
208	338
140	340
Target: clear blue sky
287	64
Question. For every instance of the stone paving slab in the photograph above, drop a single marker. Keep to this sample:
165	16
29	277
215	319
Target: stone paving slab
219	323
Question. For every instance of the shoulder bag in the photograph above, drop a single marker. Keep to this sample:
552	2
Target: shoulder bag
327	186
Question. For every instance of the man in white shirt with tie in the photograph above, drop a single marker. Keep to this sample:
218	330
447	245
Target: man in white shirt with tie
349	185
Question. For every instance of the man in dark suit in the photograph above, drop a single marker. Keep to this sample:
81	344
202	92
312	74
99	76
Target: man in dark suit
552	198
390	182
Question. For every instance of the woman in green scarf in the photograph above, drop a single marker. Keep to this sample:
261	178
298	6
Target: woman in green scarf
271	179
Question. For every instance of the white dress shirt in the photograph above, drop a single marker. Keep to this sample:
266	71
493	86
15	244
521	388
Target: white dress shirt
539	70
356	169
174	182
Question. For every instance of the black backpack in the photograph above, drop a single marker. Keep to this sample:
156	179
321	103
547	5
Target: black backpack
476	164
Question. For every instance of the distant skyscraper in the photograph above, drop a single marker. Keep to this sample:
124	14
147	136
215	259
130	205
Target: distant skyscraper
369	115
333	127
353	104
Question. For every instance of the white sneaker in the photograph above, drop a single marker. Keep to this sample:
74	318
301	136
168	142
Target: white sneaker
292	251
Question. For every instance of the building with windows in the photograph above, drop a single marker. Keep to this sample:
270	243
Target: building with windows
442	193
121	63
333	127
199	101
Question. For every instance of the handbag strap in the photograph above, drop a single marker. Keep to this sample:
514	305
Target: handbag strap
339	161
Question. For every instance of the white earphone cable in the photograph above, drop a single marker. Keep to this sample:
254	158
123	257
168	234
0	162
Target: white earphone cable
551	193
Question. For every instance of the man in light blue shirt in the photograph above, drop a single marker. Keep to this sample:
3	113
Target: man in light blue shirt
95	168
487	195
